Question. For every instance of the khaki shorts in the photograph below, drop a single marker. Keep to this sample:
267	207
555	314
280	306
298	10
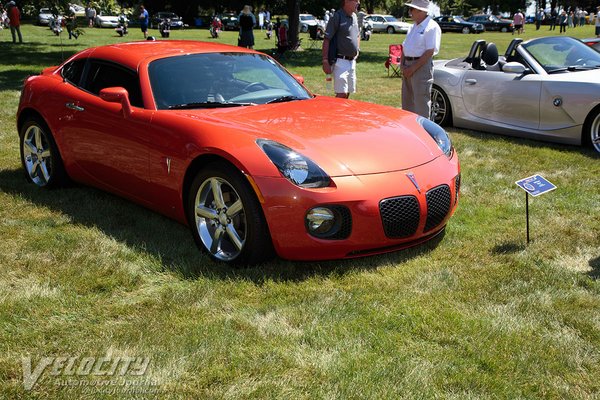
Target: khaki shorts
344	76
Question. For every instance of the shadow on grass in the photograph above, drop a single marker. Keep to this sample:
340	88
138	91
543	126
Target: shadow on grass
595	272
523	142
508	248
36	53
28	54
170	242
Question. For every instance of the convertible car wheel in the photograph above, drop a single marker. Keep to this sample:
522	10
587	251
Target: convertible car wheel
226	218
39	155
441	112
466	30
592	132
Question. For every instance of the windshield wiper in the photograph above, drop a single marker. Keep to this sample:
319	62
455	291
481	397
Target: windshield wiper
283	99
209	104
574	68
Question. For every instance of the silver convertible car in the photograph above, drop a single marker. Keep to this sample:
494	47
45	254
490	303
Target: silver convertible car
545	88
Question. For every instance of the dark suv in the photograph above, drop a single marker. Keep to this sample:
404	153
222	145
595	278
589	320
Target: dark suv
492	23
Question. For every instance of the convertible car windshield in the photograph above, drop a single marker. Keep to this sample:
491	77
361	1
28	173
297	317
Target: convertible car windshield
558	54
215	80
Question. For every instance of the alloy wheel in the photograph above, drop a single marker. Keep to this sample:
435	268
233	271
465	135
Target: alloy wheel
220	218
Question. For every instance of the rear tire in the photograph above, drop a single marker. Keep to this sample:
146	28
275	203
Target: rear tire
40	157
226	218
504	29
390	30
441	111
466	30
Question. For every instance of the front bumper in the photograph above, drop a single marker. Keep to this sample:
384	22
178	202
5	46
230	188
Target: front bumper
285	207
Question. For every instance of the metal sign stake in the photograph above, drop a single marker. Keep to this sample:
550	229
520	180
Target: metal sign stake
527	214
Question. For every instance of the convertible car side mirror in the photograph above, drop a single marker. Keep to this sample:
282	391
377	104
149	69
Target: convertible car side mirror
299	78
117	95
514	67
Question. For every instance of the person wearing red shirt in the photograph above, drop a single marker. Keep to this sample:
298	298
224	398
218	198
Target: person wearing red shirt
15	21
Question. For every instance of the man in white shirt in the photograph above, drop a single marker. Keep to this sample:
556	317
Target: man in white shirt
421	44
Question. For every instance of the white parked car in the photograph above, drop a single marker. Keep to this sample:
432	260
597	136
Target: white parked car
78	10
387	23
307	20
45	16
107	21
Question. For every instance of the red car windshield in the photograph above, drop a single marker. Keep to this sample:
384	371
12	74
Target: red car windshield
221	79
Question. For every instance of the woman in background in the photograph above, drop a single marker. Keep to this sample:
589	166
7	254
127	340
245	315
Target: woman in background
247	22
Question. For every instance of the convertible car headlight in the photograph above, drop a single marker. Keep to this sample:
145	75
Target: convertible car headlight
300	170
438	134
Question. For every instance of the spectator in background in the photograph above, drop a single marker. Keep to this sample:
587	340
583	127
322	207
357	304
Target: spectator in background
15	21
423	41
261	19
553	19
539	17
598	22
71	24
247	21
90	13
570	17
3	18
562	21
518	21
343	26
144	18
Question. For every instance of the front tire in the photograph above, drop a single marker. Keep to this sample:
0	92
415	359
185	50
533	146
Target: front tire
226	218
466	30
40	156
441	111
391	30
504	29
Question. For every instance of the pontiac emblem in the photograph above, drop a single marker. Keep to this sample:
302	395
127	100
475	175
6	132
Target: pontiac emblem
412	178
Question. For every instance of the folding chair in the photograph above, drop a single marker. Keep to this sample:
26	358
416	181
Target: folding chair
314	37
394	60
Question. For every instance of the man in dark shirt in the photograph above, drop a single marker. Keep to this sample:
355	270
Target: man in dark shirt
343	26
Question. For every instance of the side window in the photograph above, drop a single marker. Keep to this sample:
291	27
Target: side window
72	71
102	75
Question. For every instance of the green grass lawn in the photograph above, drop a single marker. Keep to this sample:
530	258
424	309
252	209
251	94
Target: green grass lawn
476	315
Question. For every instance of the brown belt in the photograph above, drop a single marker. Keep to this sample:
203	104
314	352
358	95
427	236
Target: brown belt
411	58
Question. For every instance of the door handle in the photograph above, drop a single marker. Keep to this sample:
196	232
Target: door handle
471	81
75	107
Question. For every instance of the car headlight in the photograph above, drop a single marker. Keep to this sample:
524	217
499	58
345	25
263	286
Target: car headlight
298	169
438	134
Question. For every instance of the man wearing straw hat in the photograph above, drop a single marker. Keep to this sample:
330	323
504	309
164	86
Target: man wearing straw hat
421	44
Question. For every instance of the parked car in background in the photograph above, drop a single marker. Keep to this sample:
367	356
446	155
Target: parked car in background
455	23
230	22
307	20
492	23
107	21
225	140
45	16
594	43
175	22
545	88
78	10
387	23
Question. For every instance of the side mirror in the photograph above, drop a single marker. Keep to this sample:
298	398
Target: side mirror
117	95
299	78
514	68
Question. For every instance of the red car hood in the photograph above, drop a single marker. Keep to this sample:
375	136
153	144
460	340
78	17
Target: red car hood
343	137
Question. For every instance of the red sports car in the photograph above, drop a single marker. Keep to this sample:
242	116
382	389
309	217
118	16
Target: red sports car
225	140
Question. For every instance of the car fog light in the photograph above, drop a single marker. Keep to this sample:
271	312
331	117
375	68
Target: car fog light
320	221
